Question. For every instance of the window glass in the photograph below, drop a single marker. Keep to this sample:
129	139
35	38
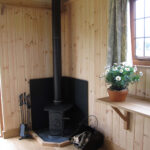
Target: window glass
147	27
147	8
139	47
147	47
139	8
140	28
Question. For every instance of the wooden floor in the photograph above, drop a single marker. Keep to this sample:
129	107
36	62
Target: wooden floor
15	144
31	144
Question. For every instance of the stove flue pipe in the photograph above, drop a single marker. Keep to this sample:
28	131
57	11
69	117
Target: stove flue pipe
56	36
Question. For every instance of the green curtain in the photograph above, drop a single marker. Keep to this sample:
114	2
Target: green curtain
117	32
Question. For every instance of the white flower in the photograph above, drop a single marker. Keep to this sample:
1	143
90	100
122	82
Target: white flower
123	63
127	69
122	67
118	78
135	69
106	71
114	69
141	73
107	67
121	70
115	64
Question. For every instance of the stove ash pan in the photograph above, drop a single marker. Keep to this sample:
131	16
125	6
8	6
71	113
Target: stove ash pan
57	118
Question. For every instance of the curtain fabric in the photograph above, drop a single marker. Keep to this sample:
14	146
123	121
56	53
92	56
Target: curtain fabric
117	32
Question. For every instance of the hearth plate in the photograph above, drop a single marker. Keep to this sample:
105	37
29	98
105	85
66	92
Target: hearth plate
53	141
48	138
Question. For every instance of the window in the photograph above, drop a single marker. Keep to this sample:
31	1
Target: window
140	31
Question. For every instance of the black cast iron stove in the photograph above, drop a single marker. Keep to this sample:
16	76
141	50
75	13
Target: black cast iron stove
57	118
57	109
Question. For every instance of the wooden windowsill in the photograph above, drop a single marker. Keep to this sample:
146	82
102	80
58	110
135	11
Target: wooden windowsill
133	104
143	66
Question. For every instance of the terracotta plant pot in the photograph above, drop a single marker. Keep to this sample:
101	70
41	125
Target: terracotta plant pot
117	96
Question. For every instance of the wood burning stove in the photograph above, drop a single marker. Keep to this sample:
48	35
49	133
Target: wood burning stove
57	101
57	118
74	92
57	110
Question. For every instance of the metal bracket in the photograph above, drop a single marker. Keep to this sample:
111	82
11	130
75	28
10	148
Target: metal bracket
125	117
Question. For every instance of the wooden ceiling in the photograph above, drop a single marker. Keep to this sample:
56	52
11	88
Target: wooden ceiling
28	3
32	3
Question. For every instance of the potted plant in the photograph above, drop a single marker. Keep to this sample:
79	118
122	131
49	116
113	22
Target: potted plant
118	77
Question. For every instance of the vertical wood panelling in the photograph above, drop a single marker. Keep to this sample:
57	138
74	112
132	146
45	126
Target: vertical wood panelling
139	130
122	134
84	56
147	94
130	134
25	53
146	139
141	86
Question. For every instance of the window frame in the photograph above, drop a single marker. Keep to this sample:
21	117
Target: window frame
136	60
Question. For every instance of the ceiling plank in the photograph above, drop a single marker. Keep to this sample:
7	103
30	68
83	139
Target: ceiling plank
28	3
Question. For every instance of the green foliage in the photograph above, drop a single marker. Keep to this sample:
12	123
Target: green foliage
119	76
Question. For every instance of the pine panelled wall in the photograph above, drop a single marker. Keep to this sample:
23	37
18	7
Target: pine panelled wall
84	56
25	53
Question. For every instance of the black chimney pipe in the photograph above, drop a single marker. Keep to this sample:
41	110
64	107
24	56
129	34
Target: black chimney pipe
56	36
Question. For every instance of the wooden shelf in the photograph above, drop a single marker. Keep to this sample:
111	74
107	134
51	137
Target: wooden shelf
133	104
